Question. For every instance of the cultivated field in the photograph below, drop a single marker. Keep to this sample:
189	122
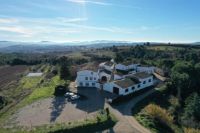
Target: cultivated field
10	73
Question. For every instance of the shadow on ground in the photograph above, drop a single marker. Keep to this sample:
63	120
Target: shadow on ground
95	99
58	105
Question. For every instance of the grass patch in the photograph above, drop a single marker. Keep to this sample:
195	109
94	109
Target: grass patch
44	90
30	82
30	90
25	86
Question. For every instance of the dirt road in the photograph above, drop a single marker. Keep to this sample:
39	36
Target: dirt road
126	122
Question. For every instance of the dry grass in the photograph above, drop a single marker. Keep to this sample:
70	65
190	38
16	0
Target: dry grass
191	130
159	113
174	101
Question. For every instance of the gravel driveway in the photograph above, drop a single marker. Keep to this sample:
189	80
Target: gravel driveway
58	109
50	110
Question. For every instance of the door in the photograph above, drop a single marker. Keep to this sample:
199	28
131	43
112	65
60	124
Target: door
116	90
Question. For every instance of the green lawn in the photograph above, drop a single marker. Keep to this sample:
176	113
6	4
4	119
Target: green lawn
30	82
43	90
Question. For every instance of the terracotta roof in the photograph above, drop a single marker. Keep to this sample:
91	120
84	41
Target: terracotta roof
124	83
142	75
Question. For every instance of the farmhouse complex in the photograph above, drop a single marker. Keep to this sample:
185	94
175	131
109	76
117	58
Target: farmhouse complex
121	79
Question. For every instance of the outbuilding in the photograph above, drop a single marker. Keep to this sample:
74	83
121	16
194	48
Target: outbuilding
129	84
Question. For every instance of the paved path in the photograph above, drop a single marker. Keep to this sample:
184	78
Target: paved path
126	122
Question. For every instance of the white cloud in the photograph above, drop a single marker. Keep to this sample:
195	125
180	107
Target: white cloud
7	20
16	29
89	2
106	29
72	20
83	2
53	28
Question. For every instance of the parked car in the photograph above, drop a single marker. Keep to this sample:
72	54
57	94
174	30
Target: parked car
75	97
69	94
109	100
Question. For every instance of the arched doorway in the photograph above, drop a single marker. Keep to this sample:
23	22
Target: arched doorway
103	79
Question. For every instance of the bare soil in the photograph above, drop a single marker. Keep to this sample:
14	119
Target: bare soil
9	74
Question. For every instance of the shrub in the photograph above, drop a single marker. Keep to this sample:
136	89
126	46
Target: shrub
175	104
191	115
60	90
3	102
159	113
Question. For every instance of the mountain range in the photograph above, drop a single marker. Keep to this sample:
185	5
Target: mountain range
46	46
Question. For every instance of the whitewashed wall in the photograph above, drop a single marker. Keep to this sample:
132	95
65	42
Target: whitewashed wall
91	80
149	70
121	67
122	91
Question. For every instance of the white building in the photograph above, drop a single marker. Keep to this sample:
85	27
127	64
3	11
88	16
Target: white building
121	79
126	66
107	66
105	75
87	78
129	84
147	69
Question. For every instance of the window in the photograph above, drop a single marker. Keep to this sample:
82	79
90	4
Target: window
149	80
126	90
92	73
86	84
94	78
144	82
93	84
133	88
138	86
90	78
86	78
81	84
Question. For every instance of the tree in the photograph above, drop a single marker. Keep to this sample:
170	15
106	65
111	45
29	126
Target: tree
18	61
114	48
185	78
64	68
196	76
191	110
181	83
119	57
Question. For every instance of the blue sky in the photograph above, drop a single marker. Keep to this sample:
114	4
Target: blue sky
87	20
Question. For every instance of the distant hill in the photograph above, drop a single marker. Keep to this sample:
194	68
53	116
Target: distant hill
197	43
46	46
21	47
